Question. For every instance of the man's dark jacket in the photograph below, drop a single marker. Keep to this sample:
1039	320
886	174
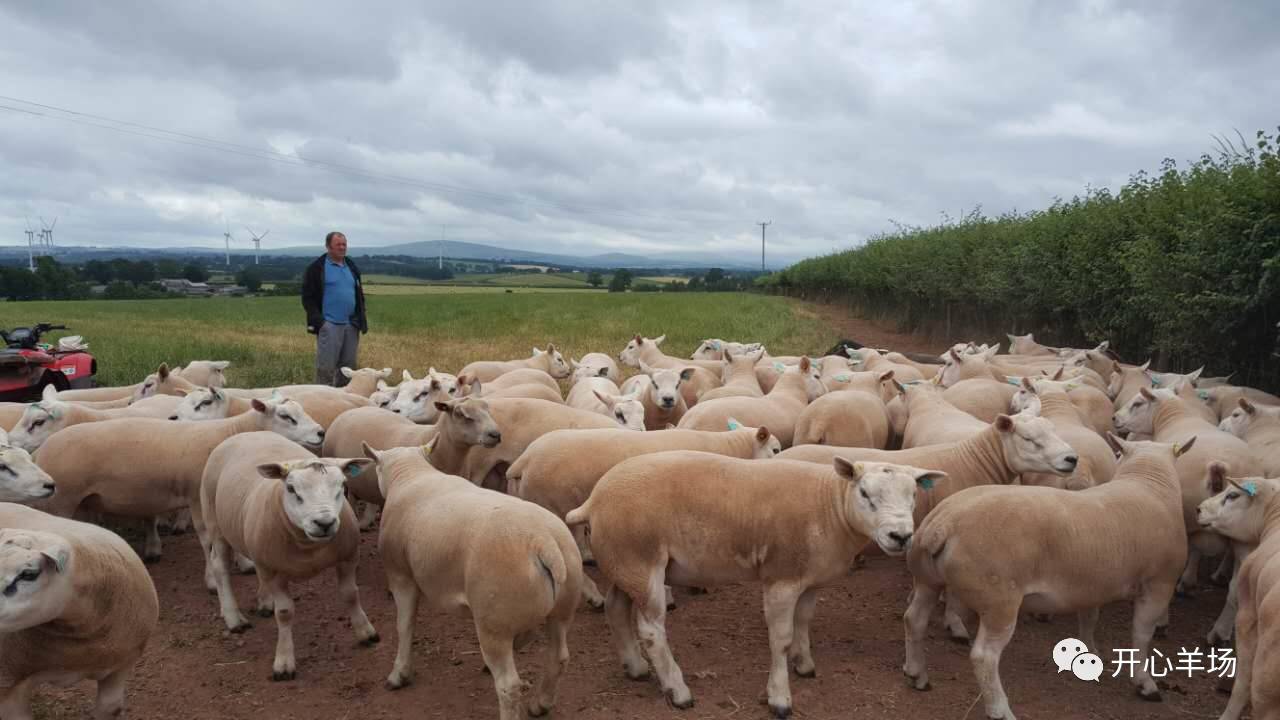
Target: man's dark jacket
313	296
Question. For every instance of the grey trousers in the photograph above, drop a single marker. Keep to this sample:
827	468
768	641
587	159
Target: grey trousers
336	347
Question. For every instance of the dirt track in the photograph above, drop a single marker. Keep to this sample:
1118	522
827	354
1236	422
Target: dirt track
194	669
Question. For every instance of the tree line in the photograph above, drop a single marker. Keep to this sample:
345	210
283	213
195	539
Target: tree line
1182	265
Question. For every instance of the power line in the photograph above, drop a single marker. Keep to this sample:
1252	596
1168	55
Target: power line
172	136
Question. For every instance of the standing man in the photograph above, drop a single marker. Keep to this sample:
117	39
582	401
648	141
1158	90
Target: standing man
334	301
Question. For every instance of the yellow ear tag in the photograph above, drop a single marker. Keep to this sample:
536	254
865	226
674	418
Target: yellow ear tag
1176	448
426	449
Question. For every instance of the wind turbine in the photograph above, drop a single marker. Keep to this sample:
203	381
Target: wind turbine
31	247
47	234
257	242
226	236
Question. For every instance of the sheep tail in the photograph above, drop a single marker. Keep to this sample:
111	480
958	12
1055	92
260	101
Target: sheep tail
548	559
579	515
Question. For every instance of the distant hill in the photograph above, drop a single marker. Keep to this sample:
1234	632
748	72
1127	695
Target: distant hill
424	249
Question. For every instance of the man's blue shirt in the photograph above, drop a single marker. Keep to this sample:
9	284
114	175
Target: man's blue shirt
339	292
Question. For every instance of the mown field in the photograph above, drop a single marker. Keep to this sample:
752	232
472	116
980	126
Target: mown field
265	339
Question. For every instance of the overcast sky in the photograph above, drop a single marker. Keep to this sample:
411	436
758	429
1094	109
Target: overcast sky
589	126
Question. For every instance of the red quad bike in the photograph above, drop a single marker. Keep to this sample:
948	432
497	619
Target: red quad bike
28	365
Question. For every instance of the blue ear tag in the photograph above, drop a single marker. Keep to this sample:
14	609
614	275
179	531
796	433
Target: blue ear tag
1155	381
1203	394
1251	489
779	367
715	346
927	483
842	377
733	425
354	470
1016	382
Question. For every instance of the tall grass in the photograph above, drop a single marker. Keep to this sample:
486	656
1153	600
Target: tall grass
1183	265
267	343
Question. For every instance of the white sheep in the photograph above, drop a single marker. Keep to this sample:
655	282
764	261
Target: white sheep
51	414
738	376
661	393
77	605
549	361
206	373
21	480
999	550
600	395
271	500
1259	427
597	364
692	518
641	351
779	410
144	468
512	564
1248	512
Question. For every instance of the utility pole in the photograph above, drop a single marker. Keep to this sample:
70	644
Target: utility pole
440	260
763	225
31	247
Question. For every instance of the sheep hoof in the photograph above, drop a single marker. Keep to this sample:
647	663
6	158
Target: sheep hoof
780	711
642	674
264	612
284	675
538	710
589	562
397	682
1153	696
959	639
914	682
698	591
1220	580
150	559
177	530
242	627
370	641
1225	685
807	673
685	705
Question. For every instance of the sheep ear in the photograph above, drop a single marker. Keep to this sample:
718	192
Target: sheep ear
346	372
848	469
886	376
1102	346
551	348
536	352
686	373
902	390
1180	449
355	466
1145	366
1004	423
1061	371
608	400
163	371
573	363
1194	375
258	405
1116	443
1026	384
805	365
369	452
1217	477
476	388
660	339
1146	393
386	372
602	372
383	386
220	364
49	393
179	392
928	478
58	557
762	435
273	471
1247	406
405	376
954	355
444	407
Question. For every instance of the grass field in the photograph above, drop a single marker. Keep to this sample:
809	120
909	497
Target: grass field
266	342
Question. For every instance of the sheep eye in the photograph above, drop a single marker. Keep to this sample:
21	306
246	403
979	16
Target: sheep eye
37	423
292	490
7	469
420	396
288	418
29	574
1232	495
619	415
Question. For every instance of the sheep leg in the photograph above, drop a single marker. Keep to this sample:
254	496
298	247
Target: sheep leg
285	666
501	661
350	593
780	603
584	544
916	622
801	652
405	591
591	593
110	702
1246	649
266	605
15	703
1226	569
151	547
244	565
1148	607
1220	635
220	560
557	661
202	534
954	616
995	629
618	612
1088	621
181	522
1190	574
651	618
368	516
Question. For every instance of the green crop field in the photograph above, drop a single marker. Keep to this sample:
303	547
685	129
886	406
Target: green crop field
266	342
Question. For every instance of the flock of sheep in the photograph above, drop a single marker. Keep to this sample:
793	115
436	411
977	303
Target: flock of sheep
1046	480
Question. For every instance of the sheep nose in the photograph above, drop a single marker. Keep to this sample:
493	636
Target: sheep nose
320	432
48	487
901	538
395	410
495	436
1071	460
324	526
668	401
